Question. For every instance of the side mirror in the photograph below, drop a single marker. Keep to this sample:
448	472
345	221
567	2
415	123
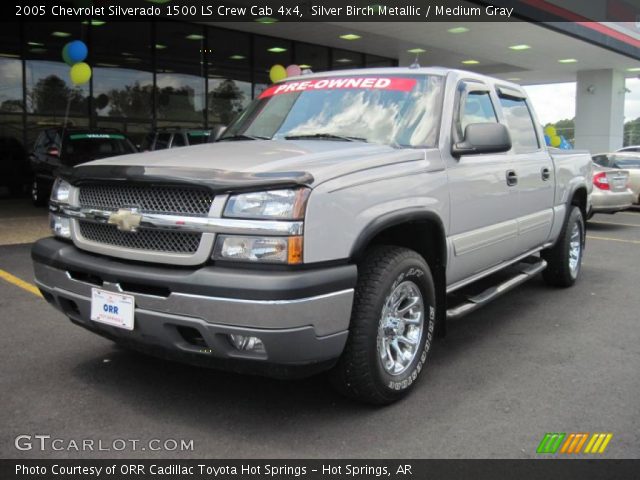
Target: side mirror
53	151
483	138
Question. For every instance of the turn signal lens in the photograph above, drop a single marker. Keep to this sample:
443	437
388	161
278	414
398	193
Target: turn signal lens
601	181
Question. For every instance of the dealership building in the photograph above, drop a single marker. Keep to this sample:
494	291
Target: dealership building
169	73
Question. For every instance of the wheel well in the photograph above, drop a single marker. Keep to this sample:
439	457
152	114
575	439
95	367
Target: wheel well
579	199
426	237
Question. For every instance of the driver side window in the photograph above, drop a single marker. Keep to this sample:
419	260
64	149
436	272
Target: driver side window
477	108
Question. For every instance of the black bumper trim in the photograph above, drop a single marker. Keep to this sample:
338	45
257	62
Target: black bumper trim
207	280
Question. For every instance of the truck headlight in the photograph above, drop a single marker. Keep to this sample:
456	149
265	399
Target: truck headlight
285	204
61	191
285	250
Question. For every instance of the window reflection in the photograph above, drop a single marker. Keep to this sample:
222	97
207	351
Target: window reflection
49	90
180	85
122	70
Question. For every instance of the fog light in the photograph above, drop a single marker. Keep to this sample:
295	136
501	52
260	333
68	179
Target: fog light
60	226
246	343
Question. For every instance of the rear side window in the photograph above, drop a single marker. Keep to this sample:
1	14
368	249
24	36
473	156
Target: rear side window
82	147
520	124
601	160
477	108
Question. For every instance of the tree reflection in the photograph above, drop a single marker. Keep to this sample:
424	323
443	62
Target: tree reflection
226	101
50	95
131	101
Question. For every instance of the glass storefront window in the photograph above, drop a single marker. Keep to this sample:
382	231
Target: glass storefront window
227	98
374	61
345	59
229	76
50	92
268	51
11	85
49	88
180	84
122	70
314	57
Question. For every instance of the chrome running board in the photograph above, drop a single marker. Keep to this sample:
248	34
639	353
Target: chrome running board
523	271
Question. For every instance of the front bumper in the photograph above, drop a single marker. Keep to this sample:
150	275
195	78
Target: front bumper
302	316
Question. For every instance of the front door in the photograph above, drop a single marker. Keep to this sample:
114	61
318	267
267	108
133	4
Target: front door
484	207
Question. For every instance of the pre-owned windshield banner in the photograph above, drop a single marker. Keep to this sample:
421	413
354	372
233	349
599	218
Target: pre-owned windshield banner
366	83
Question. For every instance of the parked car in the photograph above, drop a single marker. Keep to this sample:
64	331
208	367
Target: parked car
612	193
627	161
59	148
327	229
14	167
172	137
630	148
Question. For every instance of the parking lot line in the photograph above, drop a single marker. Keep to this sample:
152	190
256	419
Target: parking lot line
611	239
18	282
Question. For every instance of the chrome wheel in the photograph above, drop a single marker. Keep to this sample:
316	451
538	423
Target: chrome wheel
401	327
575	249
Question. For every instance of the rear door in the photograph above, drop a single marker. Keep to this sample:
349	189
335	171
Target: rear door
533	169
483	228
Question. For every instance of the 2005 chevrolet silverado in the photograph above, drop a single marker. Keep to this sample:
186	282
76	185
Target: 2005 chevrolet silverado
336	225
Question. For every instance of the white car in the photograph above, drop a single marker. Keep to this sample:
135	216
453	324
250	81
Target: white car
627	161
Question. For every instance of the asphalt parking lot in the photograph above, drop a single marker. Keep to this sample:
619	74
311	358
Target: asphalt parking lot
537	360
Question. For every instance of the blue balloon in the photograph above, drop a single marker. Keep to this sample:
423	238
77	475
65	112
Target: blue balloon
77	51
547	140
565	144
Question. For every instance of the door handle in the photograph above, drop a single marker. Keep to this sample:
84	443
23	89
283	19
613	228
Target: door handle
512	178
545	173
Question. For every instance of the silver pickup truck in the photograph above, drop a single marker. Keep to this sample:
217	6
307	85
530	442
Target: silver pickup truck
336	225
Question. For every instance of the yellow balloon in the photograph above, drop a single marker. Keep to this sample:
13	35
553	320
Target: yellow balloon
277	73
556	141
550	130
80	73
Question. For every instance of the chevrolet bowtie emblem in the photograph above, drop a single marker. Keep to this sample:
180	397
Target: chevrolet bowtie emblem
126	219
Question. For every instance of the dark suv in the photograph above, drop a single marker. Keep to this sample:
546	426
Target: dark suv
14	168
58	148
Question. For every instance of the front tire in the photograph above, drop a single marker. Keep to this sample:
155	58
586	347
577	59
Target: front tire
564	259
392	324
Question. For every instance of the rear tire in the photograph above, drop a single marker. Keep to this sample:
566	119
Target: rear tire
392	324
564	259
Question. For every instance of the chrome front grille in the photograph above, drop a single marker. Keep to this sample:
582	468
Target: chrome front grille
164	200
161	241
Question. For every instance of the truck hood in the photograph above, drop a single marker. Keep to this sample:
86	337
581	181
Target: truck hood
247	163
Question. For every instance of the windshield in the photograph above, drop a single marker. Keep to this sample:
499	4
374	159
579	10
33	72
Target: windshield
82	147
397	110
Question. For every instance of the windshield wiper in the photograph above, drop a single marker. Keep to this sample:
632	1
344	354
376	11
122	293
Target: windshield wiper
324	136
243	137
